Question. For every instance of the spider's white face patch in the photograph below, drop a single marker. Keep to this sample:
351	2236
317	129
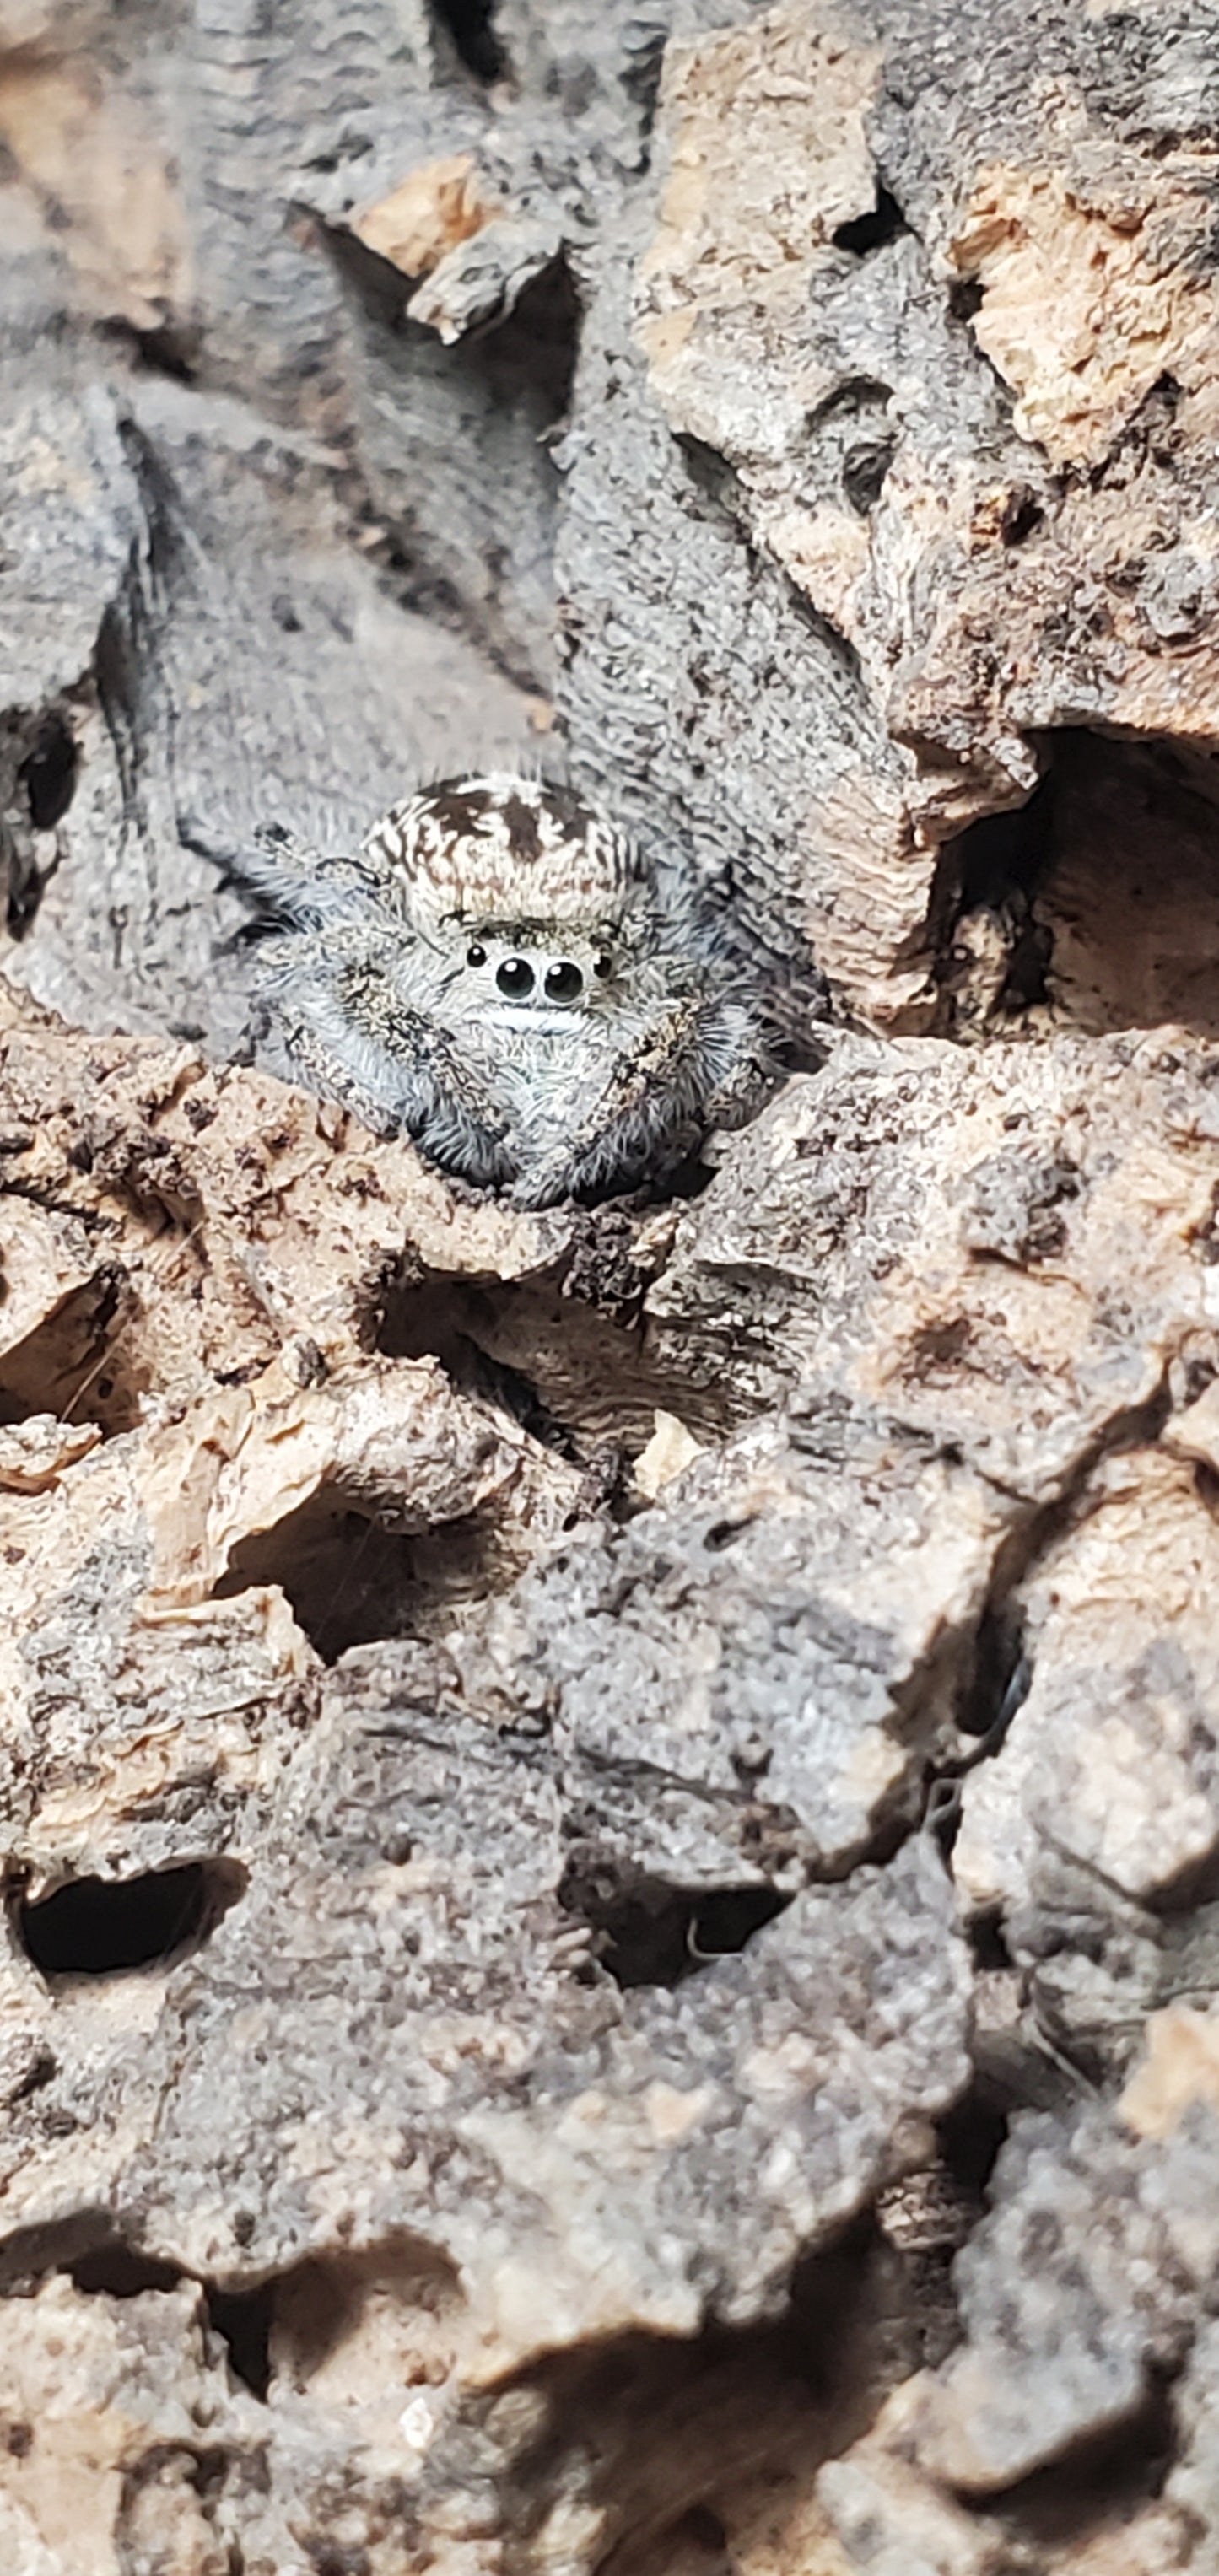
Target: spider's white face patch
497	970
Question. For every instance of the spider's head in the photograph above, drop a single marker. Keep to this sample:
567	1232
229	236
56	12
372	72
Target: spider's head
531	972
527	894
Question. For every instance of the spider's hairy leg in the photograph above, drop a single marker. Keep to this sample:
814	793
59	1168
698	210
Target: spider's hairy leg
289	881
286	877
331	1078
702	1063
351	1032
745	1067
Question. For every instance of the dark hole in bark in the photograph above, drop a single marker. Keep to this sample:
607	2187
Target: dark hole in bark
48	772
351	1582
121	2272
971	2135
345	1578
427	1322
526	361
964	298
1023	513
1103	887
987	1941
647	1932
996	868
98	1927
851	400
168	349
863	473
1001	1678
582	1375
243	2319
502	394
471	24
711	477
1006	853
310	2308
74	1364
723	1534
852	431
681	2435
865	233
46	780
928	2215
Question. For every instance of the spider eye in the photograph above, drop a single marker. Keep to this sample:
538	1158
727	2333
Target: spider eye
564	981
515	978
602	964
475	956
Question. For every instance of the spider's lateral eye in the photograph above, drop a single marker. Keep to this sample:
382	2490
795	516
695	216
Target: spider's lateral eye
564	981
475	956
602	965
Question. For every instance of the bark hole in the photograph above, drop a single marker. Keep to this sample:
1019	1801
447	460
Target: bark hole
574	1375
492	403
971	2135
350	1581
48	773
855	442
98	1927
242	2319
347	1580
446	1321
882	223
927	2216
368	2327
118	2271
166	349
648	1932
988	1942
678	2440
471	26
1105	888
39	759
74	1365
1002	1676
990	874
1130	894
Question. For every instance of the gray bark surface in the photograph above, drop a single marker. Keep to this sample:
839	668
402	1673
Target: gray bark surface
610	1817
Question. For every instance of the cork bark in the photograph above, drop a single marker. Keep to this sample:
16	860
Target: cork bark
610	1819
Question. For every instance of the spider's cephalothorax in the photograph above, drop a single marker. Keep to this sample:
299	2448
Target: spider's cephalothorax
497	973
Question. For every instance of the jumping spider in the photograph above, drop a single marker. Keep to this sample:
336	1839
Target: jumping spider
496	972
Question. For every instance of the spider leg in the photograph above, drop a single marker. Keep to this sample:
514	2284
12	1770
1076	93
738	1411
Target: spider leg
703	1063
353	1036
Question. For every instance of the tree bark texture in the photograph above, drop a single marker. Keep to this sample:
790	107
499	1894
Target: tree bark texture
610	1818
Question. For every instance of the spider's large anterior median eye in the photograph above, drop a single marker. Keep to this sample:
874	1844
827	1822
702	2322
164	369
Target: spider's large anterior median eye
564	982
515	978
475	956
